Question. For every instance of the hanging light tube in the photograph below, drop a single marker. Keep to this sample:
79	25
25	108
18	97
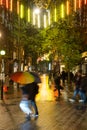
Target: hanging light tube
33	18
38	20
45	25
21	11
1	2
28	15
62	10
7	4
49	17
85	2
67	7
11	5
75	5
79	3
55	19
18	7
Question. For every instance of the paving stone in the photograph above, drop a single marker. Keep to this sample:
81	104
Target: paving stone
53	115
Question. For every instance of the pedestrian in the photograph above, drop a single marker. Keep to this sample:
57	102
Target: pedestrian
24	103
33	91
79	89
83	88
6	83
63	77
57	81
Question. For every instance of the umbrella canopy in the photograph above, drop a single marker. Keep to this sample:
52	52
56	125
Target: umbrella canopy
22	77
36	76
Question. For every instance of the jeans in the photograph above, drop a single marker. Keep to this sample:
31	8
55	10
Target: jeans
24	105
81	93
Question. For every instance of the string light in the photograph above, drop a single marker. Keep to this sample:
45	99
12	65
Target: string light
67	7
75	5
7	4
55	19
11	5
21	11
18	7
28	14
45	21
62	11
79	3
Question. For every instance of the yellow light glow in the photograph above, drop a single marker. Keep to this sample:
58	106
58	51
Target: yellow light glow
38	20
2	52
75	5
45	93
62	10
11	5
67	7
28	14
55	19
18	7
45	23
21	11
37	11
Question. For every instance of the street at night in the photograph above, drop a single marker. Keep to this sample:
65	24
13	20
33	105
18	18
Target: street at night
43	64
53	115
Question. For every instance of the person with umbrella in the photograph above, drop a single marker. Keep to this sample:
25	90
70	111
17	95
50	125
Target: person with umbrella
24	79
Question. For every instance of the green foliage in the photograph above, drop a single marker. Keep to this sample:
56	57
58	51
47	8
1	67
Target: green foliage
66	41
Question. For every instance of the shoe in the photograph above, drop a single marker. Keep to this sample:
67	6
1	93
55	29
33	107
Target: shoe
36	115
71	100
28	118
81	101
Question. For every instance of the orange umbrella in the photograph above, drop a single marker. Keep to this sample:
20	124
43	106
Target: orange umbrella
22	77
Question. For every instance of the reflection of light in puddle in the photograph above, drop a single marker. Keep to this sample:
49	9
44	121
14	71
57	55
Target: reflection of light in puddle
45	93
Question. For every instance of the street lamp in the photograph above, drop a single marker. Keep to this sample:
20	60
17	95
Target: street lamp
2	53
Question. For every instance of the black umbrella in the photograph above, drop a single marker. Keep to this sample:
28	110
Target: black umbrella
36	76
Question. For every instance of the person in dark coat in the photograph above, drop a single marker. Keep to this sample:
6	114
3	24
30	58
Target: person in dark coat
63	77
79	87
83	88
57	79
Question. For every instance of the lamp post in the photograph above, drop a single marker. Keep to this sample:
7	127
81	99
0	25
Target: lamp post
2	53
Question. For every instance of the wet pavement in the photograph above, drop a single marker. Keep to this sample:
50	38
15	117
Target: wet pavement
53	115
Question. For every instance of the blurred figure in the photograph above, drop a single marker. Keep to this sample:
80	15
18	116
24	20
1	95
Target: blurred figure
28	100
78	80
24	104
33	91
83	88
57	80
63	76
